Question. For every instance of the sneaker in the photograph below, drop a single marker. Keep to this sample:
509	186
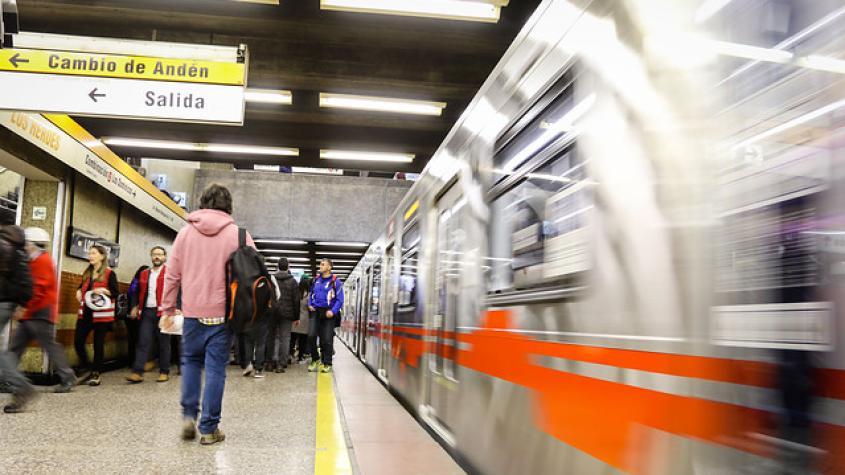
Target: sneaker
259	373
135	378
95	379
149	366
280	369
213	438
249	370
84	377
20	400
189	429
313	366
325	368
163	378
65	387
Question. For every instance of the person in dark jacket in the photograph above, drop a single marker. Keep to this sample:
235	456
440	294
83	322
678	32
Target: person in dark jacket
285	312
15	289
133	322
299	333
96	295
38	320
150	290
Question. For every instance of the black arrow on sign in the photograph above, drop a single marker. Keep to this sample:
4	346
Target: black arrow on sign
93	95
16	58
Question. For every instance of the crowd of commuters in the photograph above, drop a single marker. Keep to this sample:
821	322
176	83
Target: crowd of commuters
183	293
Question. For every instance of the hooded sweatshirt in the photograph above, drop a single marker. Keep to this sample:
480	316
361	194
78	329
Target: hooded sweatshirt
197	264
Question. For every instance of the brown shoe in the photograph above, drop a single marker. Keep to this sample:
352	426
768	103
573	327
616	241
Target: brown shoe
163	378
135	378
149	366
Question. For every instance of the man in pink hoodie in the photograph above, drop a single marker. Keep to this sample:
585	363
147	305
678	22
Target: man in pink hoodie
197	265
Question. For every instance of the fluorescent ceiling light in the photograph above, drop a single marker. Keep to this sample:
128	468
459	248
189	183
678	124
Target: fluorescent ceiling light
366	156
317	171
281	251
157	49
200	147
328	255
343	244
381	104
709	8
447	9
268	96
277	241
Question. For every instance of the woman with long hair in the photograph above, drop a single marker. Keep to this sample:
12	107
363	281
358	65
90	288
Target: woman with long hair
96	296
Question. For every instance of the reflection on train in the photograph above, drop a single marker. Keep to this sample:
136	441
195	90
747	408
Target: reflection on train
628	253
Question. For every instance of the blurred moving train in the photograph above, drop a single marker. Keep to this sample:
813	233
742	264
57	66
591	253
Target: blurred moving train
628	254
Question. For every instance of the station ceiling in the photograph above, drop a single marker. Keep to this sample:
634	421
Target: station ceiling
296	46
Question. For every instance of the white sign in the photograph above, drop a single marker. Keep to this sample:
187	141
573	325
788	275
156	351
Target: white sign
127	98
50	138
39	213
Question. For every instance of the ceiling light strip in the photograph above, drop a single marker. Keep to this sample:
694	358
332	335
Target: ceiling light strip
199	147
381	104
268	96
443	9
366	156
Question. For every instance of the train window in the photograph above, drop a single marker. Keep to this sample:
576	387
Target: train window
539	231
375	292
406	305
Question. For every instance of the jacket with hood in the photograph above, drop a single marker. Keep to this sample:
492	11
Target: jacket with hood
287	304
44	304
197	264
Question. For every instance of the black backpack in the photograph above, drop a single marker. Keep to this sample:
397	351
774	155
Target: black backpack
15	275
249	292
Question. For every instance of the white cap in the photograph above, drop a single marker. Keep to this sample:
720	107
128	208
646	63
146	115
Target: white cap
37	235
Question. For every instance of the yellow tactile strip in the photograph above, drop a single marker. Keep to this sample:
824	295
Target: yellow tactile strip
331	456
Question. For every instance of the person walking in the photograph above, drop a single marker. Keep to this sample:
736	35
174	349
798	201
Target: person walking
150	290
38	320
300	328
285	313
15	289
133	321
198	266
96	310
325	303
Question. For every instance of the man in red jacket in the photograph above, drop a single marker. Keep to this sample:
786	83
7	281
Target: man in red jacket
38	320
150	291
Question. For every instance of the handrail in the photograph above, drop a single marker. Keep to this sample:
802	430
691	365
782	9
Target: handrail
518	297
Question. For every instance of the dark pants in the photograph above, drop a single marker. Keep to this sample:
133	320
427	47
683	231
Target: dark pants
83	328
150	332
253	345
9	373
133	328
278	342
43	332
299	344
322	328
204	346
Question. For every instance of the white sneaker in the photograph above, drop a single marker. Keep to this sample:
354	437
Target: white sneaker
249	370
259	374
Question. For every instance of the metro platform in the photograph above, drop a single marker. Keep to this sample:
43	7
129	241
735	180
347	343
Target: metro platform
293	423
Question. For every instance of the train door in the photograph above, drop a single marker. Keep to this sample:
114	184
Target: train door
373	316
363	315
386	318
449	264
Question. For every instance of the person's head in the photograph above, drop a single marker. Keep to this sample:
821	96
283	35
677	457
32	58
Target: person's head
37	239
304	286
283	264
326	266
216	197
97	263
158	256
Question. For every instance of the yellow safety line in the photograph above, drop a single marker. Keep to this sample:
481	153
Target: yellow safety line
331	456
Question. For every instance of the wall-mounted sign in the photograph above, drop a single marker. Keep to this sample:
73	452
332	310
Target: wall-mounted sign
84	154
39	213
125	98
79	242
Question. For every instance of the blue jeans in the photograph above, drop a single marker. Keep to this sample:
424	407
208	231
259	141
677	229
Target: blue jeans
204	345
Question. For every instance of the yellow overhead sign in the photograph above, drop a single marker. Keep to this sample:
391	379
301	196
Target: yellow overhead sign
127	67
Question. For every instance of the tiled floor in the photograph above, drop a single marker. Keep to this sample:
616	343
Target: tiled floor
270	427
385	438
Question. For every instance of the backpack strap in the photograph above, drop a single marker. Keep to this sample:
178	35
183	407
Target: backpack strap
241	237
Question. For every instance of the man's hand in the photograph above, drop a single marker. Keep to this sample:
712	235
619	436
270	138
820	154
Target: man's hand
329	314
167	322
133	313
18	313
296	323
312	308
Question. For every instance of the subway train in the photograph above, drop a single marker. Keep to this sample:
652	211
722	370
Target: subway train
627	254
